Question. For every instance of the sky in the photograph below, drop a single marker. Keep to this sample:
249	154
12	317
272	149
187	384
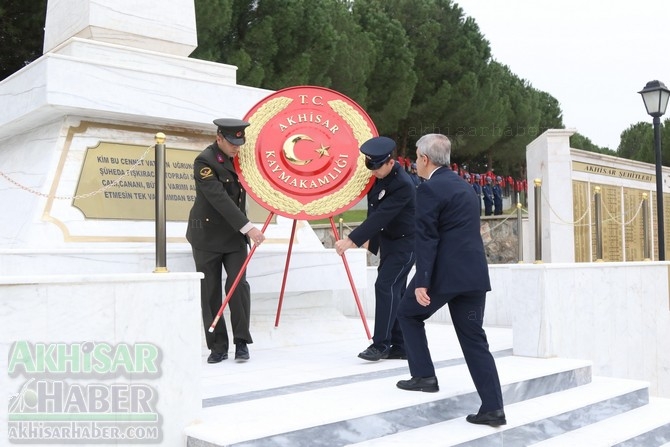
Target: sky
592	56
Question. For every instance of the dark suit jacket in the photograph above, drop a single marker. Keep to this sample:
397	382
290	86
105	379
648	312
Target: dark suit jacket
450	256
390	220
218	212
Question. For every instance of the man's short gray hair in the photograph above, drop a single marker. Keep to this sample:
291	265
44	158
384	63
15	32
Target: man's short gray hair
436	147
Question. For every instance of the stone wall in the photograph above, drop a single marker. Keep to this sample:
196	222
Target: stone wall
499	233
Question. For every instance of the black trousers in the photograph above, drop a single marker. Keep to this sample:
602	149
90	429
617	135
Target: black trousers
488	208
211	296
467	315
389	288
497	207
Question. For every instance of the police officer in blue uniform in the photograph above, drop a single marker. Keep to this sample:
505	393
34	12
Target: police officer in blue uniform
219	232
389	230
476	185
487	191
497	197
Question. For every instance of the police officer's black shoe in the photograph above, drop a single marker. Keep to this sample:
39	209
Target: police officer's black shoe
375	352
397	353
241	352
216	357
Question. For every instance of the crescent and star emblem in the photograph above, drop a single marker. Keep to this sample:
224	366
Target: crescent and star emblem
302	158
289	149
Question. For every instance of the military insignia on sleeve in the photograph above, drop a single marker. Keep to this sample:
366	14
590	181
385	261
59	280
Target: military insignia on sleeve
381	194
205	172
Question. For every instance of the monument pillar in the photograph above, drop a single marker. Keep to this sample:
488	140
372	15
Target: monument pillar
75	277
110	79
548	159
162	26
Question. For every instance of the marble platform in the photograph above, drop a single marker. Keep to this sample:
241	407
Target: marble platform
313	391
100	311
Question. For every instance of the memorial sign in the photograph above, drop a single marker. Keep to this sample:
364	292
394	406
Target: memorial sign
117	182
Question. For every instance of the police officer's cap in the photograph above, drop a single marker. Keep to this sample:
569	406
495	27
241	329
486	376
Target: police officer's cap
232	130
377	151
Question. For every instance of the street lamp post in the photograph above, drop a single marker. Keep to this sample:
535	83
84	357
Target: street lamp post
655	96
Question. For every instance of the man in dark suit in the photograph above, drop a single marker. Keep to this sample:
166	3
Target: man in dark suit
389	229
451	269
219	232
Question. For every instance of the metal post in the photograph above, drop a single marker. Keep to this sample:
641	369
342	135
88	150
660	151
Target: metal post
519	229
645	226
538	221
599	225
161	263
341	226
659	189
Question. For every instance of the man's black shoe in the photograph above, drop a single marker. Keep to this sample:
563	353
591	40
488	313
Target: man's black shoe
241	352
397	353
492	418
374	353
216	357
425	384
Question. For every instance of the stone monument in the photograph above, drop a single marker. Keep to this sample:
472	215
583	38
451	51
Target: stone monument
77	130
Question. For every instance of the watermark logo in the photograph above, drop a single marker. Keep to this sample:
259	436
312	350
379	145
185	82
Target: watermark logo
84	393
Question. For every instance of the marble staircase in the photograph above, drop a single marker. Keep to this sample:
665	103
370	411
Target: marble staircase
317	393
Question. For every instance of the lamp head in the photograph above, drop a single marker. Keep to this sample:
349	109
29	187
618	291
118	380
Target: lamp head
655	96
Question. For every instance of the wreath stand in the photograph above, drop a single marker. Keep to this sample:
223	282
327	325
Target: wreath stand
283	285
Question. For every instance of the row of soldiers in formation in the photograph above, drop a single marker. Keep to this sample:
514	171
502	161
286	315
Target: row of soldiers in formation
490	187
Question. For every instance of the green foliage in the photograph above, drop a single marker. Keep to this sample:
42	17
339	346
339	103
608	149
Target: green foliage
391	79
21	33
214	26
349	216
637	143
416	67
579	141
451	56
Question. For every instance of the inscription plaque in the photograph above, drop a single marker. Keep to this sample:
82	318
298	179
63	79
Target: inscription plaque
611	225
581	205
622	223
124	176
634	224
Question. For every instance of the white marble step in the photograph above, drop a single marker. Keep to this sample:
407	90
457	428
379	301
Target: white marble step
370	407
319	345
530	420
646	426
